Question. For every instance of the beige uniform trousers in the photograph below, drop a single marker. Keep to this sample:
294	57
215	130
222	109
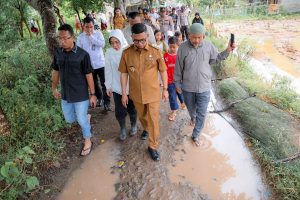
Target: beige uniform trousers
148	115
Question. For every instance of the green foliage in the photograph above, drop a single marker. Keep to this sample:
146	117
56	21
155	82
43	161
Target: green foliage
14	174
86	5
33	114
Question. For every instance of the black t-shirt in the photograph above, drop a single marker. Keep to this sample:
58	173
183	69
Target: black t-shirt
73	67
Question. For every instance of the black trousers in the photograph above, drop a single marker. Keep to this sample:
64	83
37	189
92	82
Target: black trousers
101	94
184	31
120	110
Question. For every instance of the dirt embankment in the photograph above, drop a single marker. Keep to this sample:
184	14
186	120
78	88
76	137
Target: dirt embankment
277	41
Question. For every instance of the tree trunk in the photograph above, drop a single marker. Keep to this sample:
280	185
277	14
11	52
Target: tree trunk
23	20
77	11
21	29
121	5
39	26
28	28
46	10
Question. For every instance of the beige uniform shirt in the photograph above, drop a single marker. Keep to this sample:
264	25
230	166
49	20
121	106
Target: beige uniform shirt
119	22
143	67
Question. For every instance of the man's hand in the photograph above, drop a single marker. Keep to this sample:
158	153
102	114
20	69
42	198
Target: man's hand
230	47
56	94
109	92
124	100
179	90
165	95
93	101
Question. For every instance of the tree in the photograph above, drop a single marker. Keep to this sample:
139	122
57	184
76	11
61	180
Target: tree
46	10
22	7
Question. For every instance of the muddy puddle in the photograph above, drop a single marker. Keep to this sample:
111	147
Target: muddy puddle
222	167
95	179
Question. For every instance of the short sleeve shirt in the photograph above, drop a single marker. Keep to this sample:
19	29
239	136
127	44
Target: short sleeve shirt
73	66
143	67
170	60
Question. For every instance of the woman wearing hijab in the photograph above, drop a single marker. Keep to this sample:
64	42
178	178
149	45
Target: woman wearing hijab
197	19
113	84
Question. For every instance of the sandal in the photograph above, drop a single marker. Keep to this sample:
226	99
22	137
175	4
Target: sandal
87	149
172	116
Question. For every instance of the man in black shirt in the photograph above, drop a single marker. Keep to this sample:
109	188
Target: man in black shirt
72	66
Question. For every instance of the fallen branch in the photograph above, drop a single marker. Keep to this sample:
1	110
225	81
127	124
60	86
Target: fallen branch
288	159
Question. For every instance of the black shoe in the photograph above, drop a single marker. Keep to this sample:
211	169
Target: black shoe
144	135
154	154
107	107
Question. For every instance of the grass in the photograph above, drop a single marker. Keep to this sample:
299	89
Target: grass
34	116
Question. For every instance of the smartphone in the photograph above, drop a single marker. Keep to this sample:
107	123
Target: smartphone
231	39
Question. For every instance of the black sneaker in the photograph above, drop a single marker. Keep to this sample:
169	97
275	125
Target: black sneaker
154	154
107	107
144	135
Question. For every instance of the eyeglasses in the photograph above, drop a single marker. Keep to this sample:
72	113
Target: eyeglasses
142	41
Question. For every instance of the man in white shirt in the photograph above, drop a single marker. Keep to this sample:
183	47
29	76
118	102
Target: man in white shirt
93	42
134	18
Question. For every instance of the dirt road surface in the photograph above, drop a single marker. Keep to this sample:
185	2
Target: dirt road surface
221	168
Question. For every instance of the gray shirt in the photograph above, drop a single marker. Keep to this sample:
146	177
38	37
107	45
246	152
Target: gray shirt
183	18
193	69
127	34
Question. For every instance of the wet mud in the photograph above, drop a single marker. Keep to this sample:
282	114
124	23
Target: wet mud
215	170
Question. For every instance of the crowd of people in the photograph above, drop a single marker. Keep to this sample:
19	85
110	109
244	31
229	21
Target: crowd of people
152	57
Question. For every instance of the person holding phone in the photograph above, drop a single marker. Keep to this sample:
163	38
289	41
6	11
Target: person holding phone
193	74
72	68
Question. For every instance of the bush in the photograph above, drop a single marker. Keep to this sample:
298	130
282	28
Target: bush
34	116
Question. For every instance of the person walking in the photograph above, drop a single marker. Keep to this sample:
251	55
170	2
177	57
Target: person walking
141	63
113	83
197	19
149	20
72	67
193	74
183	22
170	60
166	23
118	19
93	42
134	18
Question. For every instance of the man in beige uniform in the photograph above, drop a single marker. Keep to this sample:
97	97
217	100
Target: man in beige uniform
142	62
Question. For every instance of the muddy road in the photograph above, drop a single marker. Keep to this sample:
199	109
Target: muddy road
221	168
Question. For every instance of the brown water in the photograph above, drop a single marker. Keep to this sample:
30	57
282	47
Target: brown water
221	167
94	180
267	48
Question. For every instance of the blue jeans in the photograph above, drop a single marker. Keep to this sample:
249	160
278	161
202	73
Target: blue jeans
78	112
196	104
173	96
